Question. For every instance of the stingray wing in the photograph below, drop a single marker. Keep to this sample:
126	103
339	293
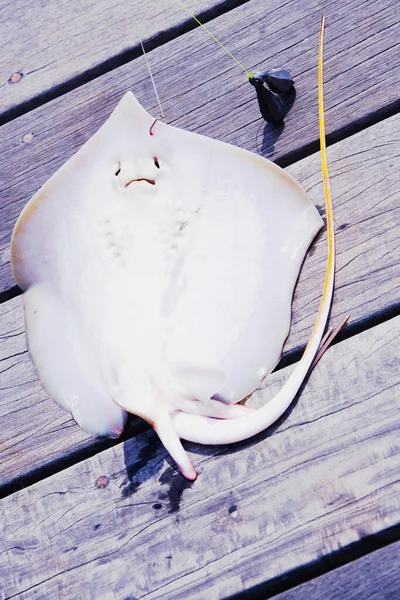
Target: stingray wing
159	270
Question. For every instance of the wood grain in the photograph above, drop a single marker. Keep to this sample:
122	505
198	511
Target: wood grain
365	186
375	576
124	523
50	43
202	90
36	428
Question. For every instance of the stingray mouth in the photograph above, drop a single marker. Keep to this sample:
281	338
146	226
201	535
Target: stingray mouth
150	181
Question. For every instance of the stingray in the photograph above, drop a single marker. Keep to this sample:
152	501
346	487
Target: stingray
158	269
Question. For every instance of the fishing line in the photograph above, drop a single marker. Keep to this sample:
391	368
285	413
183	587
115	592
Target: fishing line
274	87
162	113
248	74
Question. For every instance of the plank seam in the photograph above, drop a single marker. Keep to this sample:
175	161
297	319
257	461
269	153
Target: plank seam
321	566
123	58
60	464
340	134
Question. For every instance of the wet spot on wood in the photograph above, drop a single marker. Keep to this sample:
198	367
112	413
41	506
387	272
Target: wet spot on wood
343	226
177	485
136	470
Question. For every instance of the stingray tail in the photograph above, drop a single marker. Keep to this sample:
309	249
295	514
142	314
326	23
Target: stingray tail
171	442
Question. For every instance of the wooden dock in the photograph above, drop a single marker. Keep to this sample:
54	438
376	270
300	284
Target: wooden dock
310	508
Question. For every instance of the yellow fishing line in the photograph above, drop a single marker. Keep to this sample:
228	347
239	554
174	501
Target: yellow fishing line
324	160
248	74
330	267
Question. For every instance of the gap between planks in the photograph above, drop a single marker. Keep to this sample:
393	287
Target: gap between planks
36	434
51	67
375	576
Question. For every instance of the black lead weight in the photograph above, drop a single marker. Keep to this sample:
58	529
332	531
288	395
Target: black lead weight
275	92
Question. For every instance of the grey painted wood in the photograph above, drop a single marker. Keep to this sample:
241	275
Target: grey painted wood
372	577
49	43
365	187
124	524
203	90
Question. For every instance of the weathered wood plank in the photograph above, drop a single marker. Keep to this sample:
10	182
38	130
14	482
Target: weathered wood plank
52	42
327	477
365	186
204	91
375	576
36	427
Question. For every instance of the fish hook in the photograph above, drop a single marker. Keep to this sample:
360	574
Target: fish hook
152	125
